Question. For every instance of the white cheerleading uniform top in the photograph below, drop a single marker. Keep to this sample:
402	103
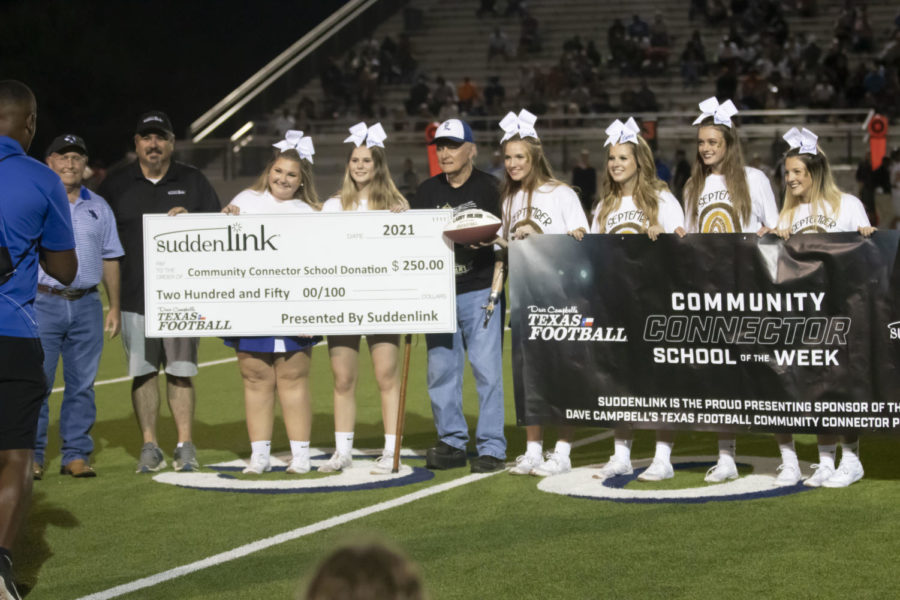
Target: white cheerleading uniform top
555	208
850	217
630	219
718	215
333	204
262	203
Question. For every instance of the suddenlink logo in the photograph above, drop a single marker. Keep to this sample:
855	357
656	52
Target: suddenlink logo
218	239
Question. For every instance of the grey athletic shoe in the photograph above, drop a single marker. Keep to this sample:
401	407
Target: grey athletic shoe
185	458
7	587
152	459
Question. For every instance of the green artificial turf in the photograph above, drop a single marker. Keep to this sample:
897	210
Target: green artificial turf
499	537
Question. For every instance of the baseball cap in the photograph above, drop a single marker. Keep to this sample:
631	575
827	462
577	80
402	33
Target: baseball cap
454	130
154	121
66	142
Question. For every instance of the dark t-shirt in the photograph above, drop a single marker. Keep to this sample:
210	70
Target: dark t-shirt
474	268
131	196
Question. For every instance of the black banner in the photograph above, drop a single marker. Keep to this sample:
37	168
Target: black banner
719	332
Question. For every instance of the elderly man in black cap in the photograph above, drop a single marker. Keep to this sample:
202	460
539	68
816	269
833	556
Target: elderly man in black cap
156	183
70	317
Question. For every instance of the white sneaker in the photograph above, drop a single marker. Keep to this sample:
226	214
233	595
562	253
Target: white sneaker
615	466
384	465
259	464
724	470
657	471
337	462
299	465
849	471
554	464
788	475
821	475
525	464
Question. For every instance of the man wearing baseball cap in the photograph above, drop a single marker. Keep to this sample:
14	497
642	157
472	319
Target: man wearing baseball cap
479	278
156	183
70	317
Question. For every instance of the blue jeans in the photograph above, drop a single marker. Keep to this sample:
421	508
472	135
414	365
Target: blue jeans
72	329
446	361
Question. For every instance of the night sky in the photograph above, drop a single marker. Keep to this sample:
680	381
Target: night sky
95	66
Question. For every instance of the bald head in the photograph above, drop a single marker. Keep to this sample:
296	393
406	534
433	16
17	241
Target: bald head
18	112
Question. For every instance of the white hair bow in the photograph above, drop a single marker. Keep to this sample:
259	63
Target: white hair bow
295	140
619	132
372	136
721	113
522	124
805	140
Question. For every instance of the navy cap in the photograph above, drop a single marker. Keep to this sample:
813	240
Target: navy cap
65	143
454	130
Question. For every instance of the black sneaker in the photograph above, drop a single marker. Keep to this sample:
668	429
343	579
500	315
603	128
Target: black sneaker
445	456
487	464
7	587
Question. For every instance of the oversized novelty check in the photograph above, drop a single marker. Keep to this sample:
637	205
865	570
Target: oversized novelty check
324	273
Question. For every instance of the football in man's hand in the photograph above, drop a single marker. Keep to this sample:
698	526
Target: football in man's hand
472	226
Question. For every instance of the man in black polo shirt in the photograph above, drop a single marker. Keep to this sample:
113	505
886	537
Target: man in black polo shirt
156	184
479	281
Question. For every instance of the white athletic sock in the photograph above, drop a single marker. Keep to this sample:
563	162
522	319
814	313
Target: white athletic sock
563	448
343	442
622	450
534	449
727	448
262	448
850	451
826	455
664	451
299	449
390	440
788	454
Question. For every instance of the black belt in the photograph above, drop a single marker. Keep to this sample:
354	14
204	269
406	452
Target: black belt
67	293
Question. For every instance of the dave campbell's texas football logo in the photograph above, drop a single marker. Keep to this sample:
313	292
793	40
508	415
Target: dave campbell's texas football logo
189	319
568	323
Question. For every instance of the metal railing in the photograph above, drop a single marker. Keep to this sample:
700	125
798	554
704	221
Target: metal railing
321	37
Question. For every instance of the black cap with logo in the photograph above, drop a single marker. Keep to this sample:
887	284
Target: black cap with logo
154	121
66	142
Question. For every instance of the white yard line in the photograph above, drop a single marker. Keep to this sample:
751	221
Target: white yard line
268	542
121	379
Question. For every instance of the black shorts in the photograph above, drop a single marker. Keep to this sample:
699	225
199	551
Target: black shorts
22	390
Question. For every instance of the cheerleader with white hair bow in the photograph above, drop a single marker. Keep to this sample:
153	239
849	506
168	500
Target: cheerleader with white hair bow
367	185
534	202
270	364
634	200
723	195
814	204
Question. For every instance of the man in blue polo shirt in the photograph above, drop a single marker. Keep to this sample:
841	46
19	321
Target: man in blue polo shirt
70	318
34	226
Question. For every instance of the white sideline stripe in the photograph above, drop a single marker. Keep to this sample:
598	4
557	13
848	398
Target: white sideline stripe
247	549
121	379
593	438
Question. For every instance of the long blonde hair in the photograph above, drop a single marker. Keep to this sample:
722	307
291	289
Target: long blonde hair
823	191
541	172
307	189
646	189
383	194
732	169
